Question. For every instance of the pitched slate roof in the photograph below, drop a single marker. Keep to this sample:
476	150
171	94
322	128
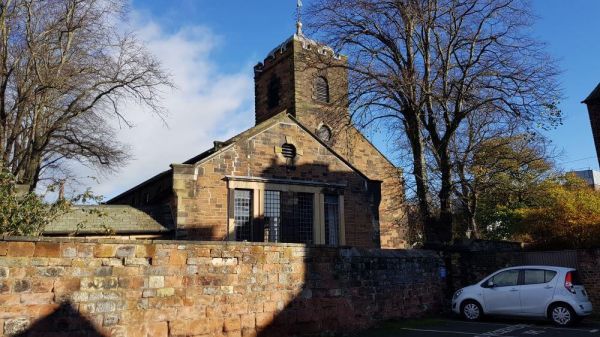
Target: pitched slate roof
594	96
112	219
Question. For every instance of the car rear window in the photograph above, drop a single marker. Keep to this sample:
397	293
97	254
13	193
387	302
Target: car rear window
537	276
549	275
534	276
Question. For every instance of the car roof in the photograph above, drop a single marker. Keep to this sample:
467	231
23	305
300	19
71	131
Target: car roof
555	268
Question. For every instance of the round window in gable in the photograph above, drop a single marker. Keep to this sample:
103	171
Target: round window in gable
324	133
288	151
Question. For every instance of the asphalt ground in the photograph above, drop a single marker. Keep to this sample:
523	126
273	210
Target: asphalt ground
456	328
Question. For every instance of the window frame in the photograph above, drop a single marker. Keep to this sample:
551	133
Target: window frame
259	186
485	284
251	212
327	234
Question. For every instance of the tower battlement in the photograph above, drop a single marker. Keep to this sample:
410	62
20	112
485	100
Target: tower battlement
284	48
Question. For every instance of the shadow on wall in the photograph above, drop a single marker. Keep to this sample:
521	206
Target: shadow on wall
64	321
346	290
340	290
361	197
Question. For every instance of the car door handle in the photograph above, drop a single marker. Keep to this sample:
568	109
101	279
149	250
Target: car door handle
514	290
548	287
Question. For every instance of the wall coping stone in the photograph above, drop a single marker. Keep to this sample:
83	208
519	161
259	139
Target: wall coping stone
344	251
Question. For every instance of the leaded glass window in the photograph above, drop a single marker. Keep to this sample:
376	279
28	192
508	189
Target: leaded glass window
243	215
273	215
297	217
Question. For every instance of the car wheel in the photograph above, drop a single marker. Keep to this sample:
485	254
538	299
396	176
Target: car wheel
562	315
471	311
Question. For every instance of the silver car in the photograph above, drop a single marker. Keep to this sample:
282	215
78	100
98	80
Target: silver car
555	293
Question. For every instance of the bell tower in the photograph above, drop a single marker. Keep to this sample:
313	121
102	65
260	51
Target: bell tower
309	81
306	79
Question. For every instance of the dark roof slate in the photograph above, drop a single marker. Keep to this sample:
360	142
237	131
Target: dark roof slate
112	219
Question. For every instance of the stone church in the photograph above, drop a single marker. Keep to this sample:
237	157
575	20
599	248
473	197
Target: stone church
302	174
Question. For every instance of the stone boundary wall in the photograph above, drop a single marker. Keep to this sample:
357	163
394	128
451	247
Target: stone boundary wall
82	287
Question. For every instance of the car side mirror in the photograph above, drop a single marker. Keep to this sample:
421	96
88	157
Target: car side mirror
490	284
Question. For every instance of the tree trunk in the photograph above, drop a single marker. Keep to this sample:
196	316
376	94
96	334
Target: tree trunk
444	223
413	128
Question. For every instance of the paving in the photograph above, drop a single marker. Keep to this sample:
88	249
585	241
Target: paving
455	328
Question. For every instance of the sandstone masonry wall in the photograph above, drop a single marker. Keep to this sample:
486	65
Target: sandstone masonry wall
77	287
203	201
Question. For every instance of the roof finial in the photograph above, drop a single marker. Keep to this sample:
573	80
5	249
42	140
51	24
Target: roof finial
299	18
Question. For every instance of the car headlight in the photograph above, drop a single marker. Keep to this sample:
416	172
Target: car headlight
457	293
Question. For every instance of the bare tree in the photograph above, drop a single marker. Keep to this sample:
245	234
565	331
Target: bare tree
65	68
422	67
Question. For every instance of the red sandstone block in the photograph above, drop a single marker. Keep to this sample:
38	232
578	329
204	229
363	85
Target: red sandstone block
136	330
145	250
105	250
158	329
3	248
191	313
264	319
237	333
248	321
232	324
47	249
270	307
173	281
201	252
249	332
8	300
13	312
67	285
160	315
177	257
42	310
21	249
31	299
187	328
42	285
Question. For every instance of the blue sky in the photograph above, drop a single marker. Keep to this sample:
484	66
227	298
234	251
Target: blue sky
211	46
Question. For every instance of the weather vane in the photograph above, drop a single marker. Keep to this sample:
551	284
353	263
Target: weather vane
299	18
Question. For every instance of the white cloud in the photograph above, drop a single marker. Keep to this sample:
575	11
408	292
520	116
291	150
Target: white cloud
207	105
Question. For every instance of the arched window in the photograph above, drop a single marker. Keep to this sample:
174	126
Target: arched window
274	92
321	89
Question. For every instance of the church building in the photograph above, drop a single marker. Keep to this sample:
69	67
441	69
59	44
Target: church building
302	174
